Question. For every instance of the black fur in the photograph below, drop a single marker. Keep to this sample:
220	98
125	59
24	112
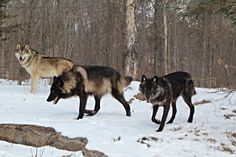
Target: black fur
163	91
94	74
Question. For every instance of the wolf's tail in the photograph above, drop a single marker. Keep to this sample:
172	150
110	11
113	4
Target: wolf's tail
193	88
190	87
124	82
70	65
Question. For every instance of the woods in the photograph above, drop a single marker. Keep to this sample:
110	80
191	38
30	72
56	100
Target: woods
135	37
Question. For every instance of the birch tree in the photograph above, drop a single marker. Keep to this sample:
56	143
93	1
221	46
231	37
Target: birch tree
130	53
166	60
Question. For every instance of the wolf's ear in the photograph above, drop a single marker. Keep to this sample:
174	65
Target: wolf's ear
144	78
54	78
18	46
58	81
27	47
155	79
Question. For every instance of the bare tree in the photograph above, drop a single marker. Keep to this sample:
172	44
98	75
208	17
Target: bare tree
131	54
135	37
166	54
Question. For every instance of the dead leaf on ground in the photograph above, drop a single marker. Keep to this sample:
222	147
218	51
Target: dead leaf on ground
130	100
211	140
176	129
116	139
145	140
140	97
228	116
226	149
204	101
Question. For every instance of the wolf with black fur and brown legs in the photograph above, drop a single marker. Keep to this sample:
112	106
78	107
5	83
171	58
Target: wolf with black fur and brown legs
39	66
164	91
83	81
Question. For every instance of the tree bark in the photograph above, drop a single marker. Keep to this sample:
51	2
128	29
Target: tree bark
38	136
166	64
131	55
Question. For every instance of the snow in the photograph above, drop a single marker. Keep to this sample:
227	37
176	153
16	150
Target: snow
110	131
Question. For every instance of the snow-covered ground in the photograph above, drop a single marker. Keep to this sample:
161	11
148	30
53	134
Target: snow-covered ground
212	133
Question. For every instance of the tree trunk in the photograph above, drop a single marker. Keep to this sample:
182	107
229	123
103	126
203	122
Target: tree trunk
130	54
159	39
108	58
166	65
3	58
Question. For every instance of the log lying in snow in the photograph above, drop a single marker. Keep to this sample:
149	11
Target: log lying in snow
93	153
39	136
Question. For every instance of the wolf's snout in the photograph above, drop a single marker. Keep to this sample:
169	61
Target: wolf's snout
21	59
48	100
148	99
53	98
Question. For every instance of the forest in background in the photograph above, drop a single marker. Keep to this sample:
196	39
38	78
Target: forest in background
136	37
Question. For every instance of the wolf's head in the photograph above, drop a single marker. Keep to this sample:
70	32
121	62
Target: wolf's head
62	87
23	54
56	91
151	88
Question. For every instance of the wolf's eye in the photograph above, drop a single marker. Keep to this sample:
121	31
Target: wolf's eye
141	88
53	91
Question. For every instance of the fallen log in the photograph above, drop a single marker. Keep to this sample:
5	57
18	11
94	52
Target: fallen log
38	136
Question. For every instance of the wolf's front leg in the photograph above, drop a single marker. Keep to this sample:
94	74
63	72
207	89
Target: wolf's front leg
96	108
34	84
164	116
83	100
154	112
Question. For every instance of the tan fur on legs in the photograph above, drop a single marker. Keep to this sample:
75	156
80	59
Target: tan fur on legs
34	83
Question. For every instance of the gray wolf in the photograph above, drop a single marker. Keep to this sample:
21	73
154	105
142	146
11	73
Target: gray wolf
83	81
39	66
163	91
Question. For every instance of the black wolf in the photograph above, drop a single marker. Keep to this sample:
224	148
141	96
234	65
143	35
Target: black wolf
163	91
83	81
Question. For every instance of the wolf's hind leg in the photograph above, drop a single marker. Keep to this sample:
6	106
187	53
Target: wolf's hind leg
188	101
121	99
174	110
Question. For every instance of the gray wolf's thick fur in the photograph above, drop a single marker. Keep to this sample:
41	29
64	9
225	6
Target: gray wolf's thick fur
39	66
83	81
163	91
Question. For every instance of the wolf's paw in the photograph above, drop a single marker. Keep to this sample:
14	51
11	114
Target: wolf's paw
128	114
170	122
190	120
159	130
156	121
79	117
90	112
